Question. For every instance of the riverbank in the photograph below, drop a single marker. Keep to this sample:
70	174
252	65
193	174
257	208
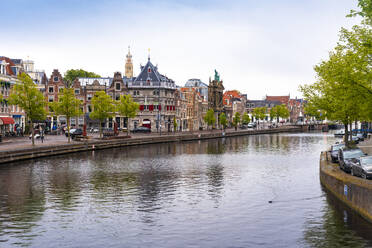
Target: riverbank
353	191
13	155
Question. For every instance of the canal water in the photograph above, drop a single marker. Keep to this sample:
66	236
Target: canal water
251	191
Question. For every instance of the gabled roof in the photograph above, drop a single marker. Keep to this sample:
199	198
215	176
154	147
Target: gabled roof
149	72
8	69
282	99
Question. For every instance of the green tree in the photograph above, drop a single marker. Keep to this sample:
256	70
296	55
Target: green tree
236	120
72	74
343	91
279	111
365	11
127	108
223	120
67	105
30	99
175	125
209	118
103	108
312	111
259	113
246	119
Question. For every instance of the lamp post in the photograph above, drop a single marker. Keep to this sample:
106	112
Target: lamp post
159	108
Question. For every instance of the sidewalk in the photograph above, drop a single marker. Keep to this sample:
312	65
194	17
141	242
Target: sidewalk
20	143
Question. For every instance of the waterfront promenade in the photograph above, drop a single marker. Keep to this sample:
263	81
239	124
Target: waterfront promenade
17	149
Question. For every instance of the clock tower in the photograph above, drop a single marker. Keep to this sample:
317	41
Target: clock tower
129	65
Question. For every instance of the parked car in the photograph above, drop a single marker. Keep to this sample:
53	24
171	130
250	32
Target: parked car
36	136
362	167
340	133
244	126
141	130
355	139
334	151
346	155
360	136
74	132
252	125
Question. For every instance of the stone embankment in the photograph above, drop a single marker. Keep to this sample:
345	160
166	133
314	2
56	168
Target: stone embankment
353	191
90	145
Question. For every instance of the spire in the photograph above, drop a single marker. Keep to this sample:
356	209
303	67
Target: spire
149	55
129	65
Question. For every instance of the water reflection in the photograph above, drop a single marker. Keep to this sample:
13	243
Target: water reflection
22	204
339	227
178	195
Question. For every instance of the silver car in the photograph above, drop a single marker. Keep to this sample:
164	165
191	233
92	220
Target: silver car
362	167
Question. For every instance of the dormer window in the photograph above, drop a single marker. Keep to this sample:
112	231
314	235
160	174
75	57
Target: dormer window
117	85
55	79
149	70
148	81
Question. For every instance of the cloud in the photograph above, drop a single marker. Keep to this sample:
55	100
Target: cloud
259	47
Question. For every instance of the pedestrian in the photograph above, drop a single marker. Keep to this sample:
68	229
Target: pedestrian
42	137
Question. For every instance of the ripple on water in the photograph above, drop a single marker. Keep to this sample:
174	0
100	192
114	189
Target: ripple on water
213	193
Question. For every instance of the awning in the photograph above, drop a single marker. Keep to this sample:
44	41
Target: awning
6	120
146	122
17	116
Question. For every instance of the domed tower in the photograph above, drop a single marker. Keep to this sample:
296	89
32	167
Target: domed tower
129	65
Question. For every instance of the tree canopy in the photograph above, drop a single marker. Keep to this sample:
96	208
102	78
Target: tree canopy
30	99
127	108
72	74
103	108
209	118
236	120
223	120
279	111
67	105
343	90
259	113
246	119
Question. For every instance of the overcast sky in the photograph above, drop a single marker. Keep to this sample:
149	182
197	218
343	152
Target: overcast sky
258	47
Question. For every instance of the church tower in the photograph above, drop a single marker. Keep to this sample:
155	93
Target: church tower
129	65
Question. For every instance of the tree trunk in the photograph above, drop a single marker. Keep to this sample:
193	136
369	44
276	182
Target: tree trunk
68	129
351	131
128	129
100	129
32	133
346	136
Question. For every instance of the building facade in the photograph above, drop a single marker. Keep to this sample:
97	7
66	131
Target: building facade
12	118
156	96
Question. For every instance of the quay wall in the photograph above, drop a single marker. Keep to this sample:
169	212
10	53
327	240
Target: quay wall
90	145
353	191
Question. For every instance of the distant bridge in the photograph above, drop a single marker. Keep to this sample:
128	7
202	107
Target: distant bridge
314	126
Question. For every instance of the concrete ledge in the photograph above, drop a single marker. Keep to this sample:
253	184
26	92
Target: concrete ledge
353	191
89	145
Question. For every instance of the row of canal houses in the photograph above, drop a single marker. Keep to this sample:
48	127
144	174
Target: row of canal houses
161	101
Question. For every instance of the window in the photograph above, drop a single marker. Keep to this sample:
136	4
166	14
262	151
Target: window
51	89
148	81
149	70
89	108
51	99
136	93
77	91
117	97
55	79
117	85
89	96
60	89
